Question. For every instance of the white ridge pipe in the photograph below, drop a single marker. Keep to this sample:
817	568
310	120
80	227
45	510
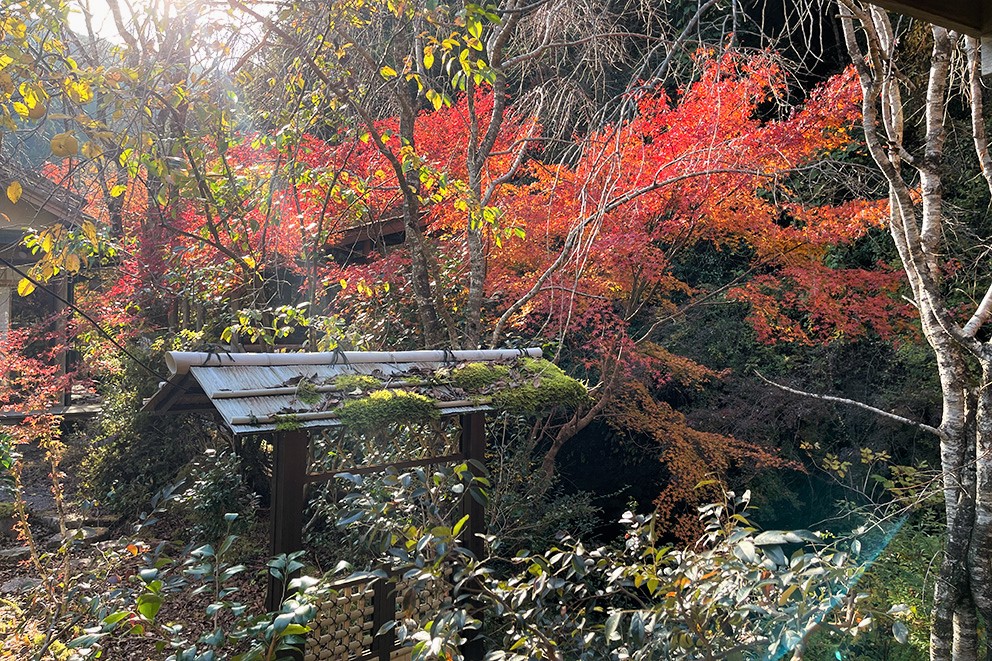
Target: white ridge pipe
179	362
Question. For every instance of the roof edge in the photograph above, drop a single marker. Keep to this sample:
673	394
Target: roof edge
179	362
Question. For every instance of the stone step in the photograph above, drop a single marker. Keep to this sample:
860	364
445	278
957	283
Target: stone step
77	520
83	534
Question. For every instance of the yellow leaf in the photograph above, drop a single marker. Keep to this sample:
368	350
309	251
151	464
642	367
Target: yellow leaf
388	72
249	260
14	191
92	150
17	28
64	145
24	287
118	190
435	99
343	283
89	230
72	263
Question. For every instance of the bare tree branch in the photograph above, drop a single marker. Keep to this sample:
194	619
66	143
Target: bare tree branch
853	402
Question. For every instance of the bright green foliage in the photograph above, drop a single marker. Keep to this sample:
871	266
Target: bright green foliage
134	610
736	594
540	387
382	407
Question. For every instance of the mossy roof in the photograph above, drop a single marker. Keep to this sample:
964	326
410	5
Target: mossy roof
263	392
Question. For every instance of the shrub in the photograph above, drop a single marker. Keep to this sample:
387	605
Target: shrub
133	455
216	489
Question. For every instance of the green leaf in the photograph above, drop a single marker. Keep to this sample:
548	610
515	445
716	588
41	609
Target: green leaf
282	622
114	618
295	630
84	641
475	28
149	605
612	622
458	526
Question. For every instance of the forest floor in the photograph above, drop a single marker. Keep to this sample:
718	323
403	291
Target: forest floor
100	564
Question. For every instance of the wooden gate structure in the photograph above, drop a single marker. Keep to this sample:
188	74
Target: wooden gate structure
289	396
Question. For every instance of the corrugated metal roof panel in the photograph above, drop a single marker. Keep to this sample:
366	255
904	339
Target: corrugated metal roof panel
256	412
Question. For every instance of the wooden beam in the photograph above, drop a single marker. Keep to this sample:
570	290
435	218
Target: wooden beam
289	473
967	16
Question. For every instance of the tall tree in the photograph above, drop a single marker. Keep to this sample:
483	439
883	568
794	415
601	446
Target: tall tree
909	148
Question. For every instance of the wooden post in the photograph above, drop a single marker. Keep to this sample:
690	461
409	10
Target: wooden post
384	610
289	471
473	446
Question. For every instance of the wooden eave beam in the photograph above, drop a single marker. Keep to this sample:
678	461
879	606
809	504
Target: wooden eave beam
971	17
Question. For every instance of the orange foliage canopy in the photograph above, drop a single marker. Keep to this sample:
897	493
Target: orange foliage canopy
582	252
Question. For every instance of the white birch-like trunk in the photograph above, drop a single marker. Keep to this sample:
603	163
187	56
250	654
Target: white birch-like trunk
963	589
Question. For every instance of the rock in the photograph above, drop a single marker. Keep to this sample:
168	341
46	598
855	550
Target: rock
15	554
84	534
20	585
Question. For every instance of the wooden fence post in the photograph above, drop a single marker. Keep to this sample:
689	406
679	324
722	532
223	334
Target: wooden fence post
473	446
289	471
384	610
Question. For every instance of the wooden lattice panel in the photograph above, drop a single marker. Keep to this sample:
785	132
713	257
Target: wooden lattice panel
342	628
345	625
426	602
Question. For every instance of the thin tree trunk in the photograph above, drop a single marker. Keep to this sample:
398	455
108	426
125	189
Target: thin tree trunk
980	551
420	278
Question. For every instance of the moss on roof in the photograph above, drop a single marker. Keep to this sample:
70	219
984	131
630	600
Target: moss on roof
368	413
522	386
474	377
540	387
